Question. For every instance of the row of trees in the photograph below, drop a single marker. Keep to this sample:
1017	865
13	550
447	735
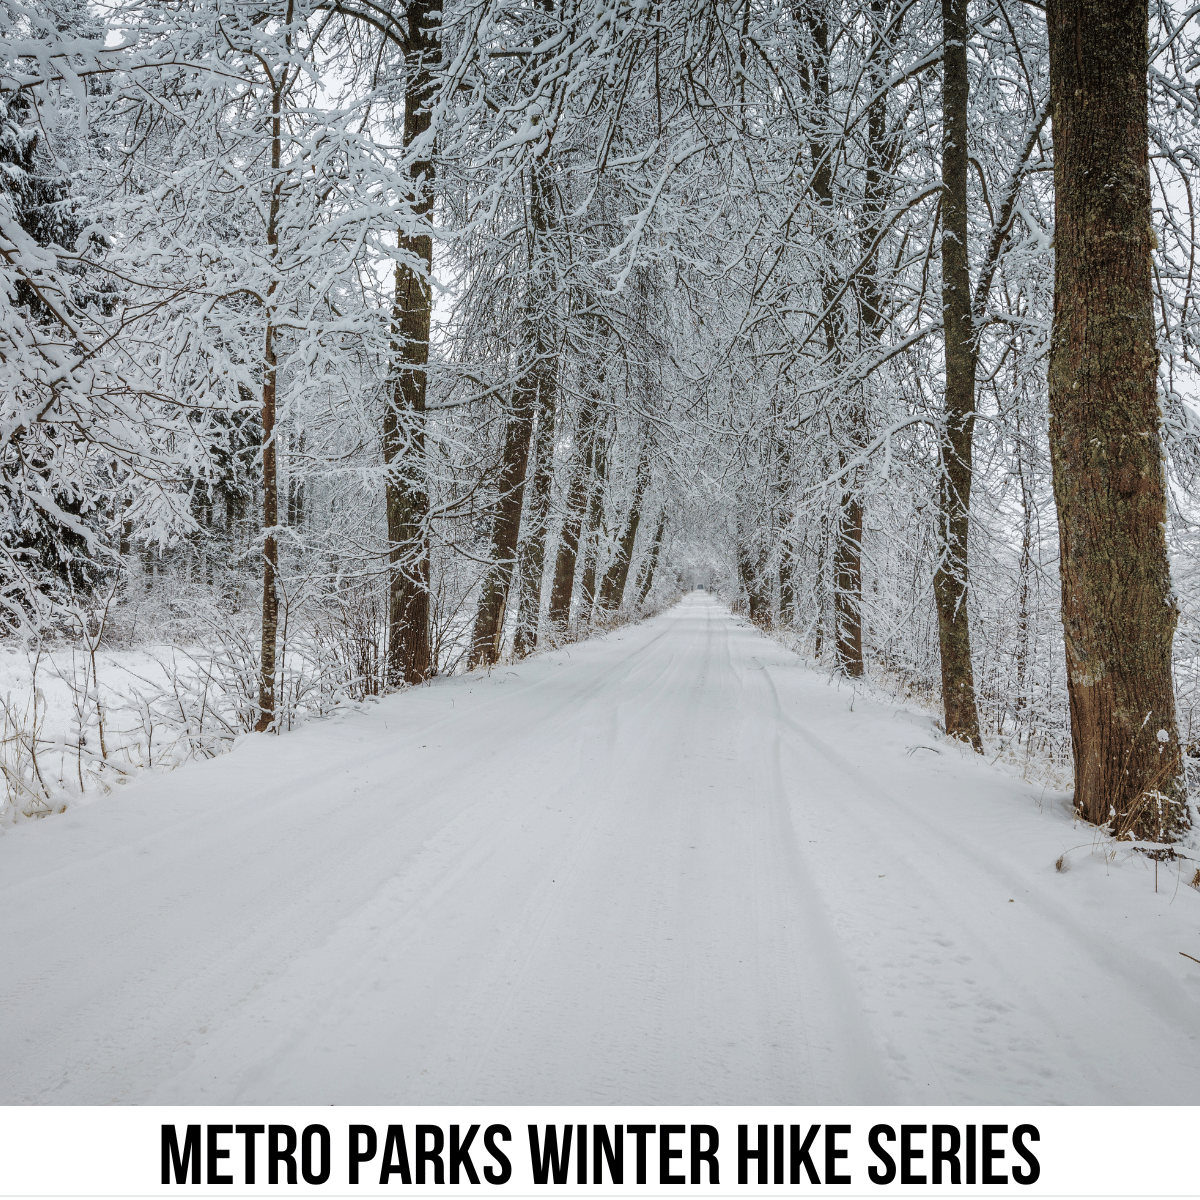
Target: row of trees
512	309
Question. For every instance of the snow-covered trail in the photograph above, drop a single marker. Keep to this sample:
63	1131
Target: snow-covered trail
671	865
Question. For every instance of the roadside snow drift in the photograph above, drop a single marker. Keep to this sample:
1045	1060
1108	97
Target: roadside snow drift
671	865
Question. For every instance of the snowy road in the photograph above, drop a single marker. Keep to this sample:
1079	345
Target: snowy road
671	865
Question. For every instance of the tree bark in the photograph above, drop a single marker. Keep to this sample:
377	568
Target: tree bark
295	489
782	519
568	546
787	583
270	600
950	583
847	565
847	586
752	580
536	373
595	520
531	555
506	522
819	589
532	551
1119	612
847	550
612	588
409	658
652	559
1026	562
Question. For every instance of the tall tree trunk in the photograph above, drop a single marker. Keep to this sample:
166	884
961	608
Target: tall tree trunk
537	368
531	555
593	531
1021	702
787	582
270	600
506	523
295	490
532	551
782	521
847	550
1119	612
847	586
652	559
577	498
406	490
752	578
950	583
819	589
847	565
612	588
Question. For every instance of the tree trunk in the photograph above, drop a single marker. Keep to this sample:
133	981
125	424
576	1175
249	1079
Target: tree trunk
535	371
1021	703
568	546
532	551
531	555
847	567
787	547
750	573
787	583
652	559
270	601
506	523
595	520
612	588
1119	612
847	564
957	430
295	496
819	589
406	490
847	586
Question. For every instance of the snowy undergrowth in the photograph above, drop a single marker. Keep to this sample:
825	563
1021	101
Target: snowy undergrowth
1047	766
78	720
75	725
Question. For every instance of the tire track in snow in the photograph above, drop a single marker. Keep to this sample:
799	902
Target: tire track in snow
517	945
940	907
861	1073
1001	989
597	888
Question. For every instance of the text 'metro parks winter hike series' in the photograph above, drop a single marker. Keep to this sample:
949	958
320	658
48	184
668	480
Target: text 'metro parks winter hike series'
601	552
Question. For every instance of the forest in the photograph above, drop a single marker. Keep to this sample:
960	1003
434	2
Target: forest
346	344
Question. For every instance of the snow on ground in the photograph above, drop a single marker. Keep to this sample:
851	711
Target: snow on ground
62	677
670	865
62	672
